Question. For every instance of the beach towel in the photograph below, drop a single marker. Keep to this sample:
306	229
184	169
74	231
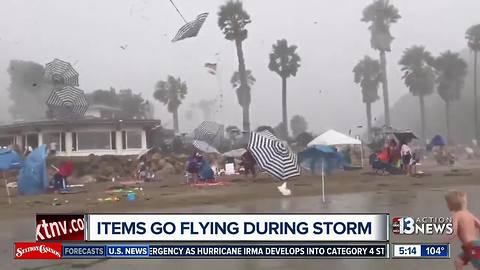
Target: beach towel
209	184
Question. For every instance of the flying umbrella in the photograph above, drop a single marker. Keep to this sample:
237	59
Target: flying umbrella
320	159
61	72
190	29
68	102
205	147
208	131
273	155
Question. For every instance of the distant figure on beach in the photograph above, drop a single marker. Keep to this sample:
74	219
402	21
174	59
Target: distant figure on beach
406	154
193	166
466	227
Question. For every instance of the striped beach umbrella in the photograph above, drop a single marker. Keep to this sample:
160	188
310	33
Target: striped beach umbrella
61	72
68	102
273	155
208	131
190	29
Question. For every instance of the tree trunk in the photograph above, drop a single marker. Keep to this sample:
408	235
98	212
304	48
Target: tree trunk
369	120
243	86
477	135
383	63
246	116
175	120
422	118
447	118
284	106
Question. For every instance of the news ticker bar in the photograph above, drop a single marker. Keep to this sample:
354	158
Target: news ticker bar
132	251
214	227
435	251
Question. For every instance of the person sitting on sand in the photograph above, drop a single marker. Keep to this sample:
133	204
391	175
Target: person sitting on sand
466	226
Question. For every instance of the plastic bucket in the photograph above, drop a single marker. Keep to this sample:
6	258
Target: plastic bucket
131	196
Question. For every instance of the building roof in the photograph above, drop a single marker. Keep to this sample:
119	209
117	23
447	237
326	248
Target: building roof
103	107
47	124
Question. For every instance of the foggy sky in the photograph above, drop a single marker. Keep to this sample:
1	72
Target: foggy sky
89	33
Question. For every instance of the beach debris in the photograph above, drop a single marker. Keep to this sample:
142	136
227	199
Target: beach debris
284	190
131	196
56	202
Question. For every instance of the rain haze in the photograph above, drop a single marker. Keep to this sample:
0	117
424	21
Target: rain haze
127	44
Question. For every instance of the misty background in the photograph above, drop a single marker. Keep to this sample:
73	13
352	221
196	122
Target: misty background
330	37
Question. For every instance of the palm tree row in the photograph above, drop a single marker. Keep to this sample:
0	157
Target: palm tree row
420	70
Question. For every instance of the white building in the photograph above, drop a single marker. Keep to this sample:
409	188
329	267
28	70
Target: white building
81	137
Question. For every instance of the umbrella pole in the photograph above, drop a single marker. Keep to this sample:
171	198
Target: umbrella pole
323	181
361	153
6	187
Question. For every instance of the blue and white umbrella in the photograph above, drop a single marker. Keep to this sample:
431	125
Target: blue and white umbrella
320	159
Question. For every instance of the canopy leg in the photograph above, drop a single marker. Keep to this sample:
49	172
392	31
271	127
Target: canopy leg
323	181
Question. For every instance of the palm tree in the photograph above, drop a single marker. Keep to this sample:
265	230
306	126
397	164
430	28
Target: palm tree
419	77
451	71
235	80
473	38
171	93
368	74
285	62
232	20
381	14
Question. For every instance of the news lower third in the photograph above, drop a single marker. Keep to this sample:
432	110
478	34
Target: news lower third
231	236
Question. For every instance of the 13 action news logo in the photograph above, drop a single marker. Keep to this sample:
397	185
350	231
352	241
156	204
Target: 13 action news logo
26	250
422	225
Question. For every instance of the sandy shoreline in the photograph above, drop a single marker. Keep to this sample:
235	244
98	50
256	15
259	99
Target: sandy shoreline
172	192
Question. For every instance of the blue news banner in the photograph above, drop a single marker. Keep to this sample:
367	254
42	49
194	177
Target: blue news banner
225	251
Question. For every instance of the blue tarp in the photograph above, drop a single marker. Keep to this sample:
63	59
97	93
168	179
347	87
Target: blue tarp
33	178
312	158
10	160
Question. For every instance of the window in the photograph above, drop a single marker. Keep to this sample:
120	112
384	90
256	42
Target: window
113	139
134	139
32	140
62	140
74	141
93	140
54	137
6	141
124	140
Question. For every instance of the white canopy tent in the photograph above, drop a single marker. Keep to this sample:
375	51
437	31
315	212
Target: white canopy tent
334	138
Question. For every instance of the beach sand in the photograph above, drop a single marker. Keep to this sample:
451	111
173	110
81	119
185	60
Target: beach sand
172	192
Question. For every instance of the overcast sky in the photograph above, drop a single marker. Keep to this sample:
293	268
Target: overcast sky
329	35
